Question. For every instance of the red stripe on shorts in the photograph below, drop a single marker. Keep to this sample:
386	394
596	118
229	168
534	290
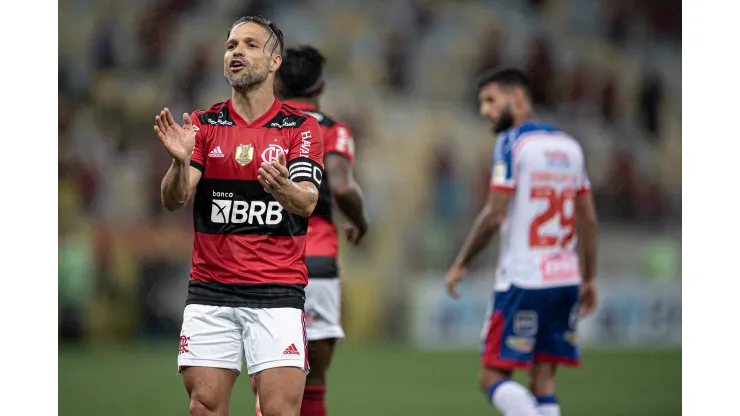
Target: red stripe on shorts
492	349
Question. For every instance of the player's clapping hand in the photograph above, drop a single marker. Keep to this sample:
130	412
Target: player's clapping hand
274	176
179	141
353	233
454	276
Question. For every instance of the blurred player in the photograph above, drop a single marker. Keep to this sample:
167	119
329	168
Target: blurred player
540	196
300	83
255	166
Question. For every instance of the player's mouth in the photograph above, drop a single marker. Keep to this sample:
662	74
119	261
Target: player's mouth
236	65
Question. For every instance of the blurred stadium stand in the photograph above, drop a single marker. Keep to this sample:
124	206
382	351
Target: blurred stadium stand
401	74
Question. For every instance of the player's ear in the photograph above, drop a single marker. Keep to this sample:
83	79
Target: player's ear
275	61
519	95
520	99
321	88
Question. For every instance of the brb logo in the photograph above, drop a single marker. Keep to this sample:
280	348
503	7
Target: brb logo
226	211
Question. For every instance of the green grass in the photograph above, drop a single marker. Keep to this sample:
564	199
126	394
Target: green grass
372	381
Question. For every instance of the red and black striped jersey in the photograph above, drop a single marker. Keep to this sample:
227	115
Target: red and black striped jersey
249	251
322	243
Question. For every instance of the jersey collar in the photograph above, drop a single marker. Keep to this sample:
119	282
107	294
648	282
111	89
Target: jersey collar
261	120
528	124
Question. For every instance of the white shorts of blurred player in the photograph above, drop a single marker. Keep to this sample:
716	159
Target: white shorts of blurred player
324	309
223	337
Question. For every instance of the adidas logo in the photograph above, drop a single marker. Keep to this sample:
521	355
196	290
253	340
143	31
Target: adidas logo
292	350
216	152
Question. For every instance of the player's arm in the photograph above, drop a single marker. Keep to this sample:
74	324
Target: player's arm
179	184
347	194
187	159
295	197
493	214
489	220
295	184
345	190
587	228
486	225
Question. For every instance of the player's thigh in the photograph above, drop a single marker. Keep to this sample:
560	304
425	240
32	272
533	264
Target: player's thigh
280	390
320	353
211	336
274	337
323	325
323	309
275	348
556	339
509	333
210	354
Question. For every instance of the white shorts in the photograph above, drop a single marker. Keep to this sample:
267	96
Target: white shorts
222	337
323	309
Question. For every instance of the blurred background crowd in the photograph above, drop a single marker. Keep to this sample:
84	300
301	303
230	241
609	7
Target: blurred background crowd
401	74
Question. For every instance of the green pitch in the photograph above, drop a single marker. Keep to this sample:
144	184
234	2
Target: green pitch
371	381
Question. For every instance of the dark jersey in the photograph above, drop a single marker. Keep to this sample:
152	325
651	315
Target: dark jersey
322	243
248	251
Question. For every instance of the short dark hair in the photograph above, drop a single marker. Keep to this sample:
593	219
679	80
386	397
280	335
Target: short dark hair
301	73
508	77
268	25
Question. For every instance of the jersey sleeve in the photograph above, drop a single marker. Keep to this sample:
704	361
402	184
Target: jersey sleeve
306	153
338	140
503	178
584	186
198	158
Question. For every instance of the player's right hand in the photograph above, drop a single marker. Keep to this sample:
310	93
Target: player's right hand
353	233
179	141
587	301
454	276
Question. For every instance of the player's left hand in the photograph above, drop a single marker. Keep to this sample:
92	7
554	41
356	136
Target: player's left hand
274	176
587	299
454	276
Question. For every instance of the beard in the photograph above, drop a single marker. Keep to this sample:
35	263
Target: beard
505	121
249	79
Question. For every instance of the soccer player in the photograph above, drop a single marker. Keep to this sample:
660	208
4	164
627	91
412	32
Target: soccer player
540	200
255	166
300	83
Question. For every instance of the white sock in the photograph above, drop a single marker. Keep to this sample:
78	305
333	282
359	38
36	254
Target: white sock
512	399
548	405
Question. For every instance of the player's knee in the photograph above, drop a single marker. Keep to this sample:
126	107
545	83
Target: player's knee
283	407
198	408
542	383
283	402
488	376
319	357
202	404
484	384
